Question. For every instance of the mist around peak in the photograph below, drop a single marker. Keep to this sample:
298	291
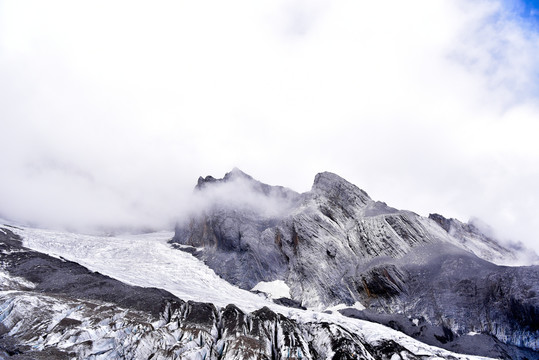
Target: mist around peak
238	191
476	229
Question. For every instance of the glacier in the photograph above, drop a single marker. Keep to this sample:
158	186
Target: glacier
67	321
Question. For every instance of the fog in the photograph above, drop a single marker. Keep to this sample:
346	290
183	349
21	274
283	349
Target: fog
109	112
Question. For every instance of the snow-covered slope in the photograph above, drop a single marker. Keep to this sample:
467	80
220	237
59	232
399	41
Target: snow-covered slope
68	321
143	260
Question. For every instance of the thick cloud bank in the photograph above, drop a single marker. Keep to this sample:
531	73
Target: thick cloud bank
109	112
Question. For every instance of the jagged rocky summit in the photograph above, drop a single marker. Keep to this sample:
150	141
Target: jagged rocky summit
335	245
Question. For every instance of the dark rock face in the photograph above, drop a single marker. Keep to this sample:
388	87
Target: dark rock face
442	221
229	235
444	337
336	245
462	293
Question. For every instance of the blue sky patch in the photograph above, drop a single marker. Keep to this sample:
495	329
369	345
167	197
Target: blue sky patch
528	9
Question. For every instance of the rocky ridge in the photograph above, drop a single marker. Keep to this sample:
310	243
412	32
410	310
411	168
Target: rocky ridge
337	245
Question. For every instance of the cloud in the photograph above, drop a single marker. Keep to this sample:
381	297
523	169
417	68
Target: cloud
110	112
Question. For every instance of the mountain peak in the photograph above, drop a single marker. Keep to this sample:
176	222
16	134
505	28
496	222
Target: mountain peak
327	179
334	185
233	174
203	181
236	173
248	184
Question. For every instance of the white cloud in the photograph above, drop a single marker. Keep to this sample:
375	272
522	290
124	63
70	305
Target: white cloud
109	112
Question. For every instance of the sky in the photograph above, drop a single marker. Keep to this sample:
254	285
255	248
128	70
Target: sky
110	111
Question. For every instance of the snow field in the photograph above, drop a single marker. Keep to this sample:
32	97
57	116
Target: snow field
148	260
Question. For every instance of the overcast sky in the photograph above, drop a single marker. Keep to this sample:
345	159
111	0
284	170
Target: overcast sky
109	111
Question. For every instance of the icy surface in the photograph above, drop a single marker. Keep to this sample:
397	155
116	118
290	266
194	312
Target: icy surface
275	289
100	331
144	260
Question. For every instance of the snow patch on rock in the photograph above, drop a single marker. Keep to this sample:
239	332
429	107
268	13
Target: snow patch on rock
275	289
357	305
14	282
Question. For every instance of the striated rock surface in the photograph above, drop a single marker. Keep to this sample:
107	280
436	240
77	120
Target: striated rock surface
322	239
474	240
335	245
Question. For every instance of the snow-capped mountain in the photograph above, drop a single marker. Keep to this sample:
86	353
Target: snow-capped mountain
262	272
335	245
